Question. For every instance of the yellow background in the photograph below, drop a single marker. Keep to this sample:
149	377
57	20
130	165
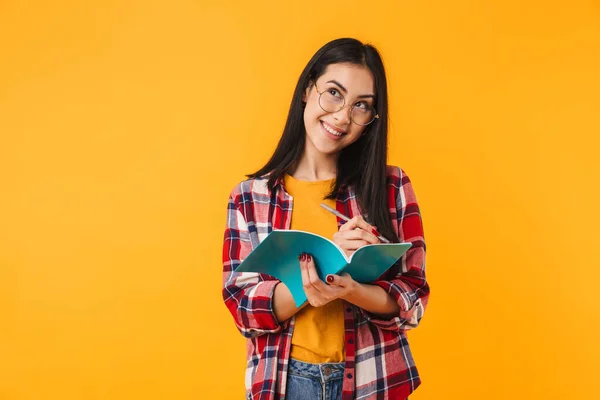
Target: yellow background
125	124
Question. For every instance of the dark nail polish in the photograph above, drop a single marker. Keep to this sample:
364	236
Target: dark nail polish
300	257
308	257
374	231
330	278
303	256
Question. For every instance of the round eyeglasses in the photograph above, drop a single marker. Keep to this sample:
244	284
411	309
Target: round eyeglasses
331	100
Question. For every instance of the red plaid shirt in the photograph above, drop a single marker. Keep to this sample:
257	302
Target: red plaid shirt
378	362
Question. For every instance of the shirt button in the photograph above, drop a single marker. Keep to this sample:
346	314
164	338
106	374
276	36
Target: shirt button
349	376
350	341
348	309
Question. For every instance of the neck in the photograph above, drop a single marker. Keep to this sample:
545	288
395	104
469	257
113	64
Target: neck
316	166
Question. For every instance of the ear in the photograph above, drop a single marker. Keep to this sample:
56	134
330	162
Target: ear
307	91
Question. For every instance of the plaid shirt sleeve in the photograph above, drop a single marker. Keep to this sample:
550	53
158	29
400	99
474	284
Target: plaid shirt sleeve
248	296
405	281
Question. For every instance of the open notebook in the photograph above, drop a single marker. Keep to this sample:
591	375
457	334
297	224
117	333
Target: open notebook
277	255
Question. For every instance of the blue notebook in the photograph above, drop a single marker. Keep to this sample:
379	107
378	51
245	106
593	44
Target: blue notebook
277	255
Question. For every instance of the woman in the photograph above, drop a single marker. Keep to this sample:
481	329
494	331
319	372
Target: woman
349	340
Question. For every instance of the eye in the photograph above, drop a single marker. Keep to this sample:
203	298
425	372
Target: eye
361	105
334	92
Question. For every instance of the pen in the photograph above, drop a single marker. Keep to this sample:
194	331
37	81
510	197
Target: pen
342	216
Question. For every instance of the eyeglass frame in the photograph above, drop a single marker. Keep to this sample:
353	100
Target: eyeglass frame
344	105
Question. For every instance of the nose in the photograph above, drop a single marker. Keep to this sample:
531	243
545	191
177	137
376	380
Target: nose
343	115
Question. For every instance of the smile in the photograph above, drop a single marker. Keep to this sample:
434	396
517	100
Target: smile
331	130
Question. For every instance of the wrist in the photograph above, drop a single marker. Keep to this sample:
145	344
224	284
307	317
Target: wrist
353	291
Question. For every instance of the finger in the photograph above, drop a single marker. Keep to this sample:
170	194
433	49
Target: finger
305	277
348	246
342	280
313	275
365	226
352	244
351	224
315	298
359	223
327	293
358	234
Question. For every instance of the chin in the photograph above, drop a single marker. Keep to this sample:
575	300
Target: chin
322	146
329	151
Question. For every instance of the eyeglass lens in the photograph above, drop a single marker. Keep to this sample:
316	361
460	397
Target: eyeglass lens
332	100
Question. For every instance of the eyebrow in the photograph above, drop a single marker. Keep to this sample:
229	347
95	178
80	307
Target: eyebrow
362	96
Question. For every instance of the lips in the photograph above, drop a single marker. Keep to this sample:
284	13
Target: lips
332	132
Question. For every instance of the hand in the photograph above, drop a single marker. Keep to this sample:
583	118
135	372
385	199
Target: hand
318	292
355	234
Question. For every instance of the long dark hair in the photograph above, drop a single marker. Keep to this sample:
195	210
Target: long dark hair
361	165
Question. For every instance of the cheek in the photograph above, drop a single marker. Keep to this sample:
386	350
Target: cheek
357	132
311	116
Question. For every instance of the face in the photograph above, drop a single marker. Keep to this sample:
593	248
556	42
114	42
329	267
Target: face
330	132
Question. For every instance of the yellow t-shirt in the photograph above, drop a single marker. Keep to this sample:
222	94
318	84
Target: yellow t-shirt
319	331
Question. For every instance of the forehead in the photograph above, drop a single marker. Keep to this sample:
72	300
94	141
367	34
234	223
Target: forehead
357	79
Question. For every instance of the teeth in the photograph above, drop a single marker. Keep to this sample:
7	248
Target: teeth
328	129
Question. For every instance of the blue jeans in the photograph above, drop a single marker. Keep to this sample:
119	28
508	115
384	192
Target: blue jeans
314	381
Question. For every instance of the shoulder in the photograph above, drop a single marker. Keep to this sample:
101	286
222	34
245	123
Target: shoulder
396	177
400	186
250	188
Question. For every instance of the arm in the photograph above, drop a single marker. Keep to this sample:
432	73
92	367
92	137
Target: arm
284	304
369	297
248	296
373	299
405	282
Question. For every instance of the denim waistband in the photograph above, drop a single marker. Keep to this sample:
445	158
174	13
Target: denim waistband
325	371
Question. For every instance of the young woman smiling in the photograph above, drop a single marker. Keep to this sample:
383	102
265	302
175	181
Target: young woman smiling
349	341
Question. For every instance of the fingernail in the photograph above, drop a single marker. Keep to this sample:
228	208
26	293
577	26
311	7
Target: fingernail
308	257
329	278
303	256
300	257
375	232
